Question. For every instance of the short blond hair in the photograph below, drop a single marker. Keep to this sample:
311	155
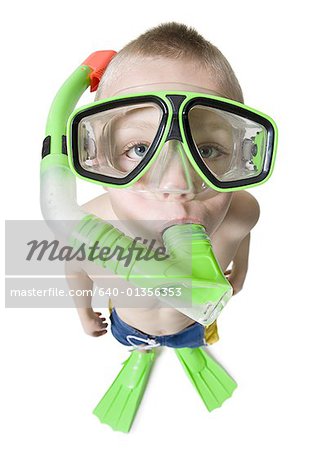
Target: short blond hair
176	41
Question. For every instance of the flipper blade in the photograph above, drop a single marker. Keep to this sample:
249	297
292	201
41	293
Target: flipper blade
212	382
120	403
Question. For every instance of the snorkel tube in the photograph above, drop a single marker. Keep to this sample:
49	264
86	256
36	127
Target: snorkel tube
190	264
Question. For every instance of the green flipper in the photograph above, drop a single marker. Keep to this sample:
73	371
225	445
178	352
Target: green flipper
120	403
212	382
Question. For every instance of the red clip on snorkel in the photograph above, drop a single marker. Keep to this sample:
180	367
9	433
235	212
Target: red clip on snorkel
97	62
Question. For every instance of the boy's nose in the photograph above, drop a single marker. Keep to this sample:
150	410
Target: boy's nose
172	177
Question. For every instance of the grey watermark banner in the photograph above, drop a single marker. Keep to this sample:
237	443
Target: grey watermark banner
64	264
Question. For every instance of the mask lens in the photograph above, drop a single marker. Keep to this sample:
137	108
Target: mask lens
232	147
116	141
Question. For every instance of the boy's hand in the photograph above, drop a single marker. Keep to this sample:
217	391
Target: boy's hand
236	282
94	324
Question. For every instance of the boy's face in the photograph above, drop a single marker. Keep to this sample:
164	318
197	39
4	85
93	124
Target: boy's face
208	208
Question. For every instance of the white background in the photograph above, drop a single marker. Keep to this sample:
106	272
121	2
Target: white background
53	374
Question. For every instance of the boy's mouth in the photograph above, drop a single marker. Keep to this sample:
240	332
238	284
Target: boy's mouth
180	221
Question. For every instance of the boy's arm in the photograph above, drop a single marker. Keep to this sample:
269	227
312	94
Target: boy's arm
236	276
79	281
241	218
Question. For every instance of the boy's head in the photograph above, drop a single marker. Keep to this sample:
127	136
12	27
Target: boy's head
170	53
170	57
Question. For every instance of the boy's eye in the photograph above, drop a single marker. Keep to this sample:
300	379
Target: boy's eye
135	151
210	151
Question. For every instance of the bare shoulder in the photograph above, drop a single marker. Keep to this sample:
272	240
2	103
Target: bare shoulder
242	215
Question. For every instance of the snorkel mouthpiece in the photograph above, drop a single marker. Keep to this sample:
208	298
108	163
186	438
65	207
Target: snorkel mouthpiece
190	265
209	289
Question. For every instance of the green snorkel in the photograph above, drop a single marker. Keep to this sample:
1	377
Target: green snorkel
190	265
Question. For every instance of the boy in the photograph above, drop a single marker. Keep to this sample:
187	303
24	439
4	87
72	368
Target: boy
171	57
172	129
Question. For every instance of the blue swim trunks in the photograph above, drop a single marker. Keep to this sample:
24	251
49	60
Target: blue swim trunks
192	336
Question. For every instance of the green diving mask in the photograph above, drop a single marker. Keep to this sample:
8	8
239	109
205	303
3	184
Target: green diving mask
174	141
167	141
